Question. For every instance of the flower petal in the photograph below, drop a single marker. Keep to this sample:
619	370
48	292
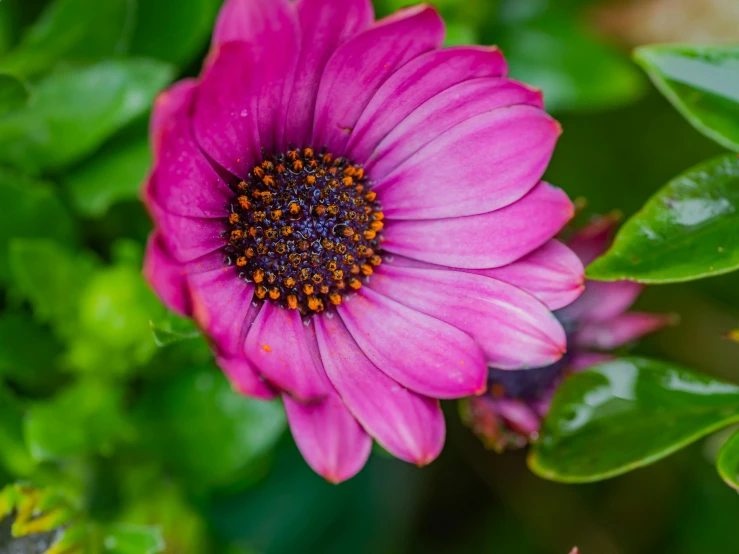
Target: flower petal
513	328
359	67
602	301
607	335
329	438
277	345
187	238
443	112
408	425
481	165
413	84
487	240
552	273
244	378
166	276
593	239
167	104
222	306
582	360
325	26
252	21
424	354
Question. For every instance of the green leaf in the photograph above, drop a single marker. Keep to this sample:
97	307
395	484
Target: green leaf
36	213
73	30
13	93
626	414
688	230
115	174
14	455
728	461
575	70
172	329
85	418
204	429
174	36
73	112
702	82
54	295
132	539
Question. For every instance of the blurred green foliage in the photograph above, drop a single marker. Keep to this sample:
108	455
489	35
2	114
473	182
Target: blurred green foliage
106	396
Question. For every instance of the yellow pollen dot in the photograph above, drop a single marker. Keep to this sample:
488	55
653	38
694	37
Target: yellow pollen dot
294	208
326	159
375	260
244	202
276	215
259	217
274	293
378	216
369	234
324	289
259	173
348	232
333	209
308	289
370	196
260	292
308	153
354	270
237	234
258	275
280	169
320	210
269	180
297	166
347	181
289	282
314	304
335	298
317	278
331	266
267	165
266	348
249	252
242	185
292	301
233	218
337	275
333	171
376	225
356	284
359	174
271	278
241	261
366	269
267	197
286	231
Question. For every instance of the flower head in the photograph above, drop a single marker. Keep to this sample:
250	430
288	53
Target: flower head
355	218
509	415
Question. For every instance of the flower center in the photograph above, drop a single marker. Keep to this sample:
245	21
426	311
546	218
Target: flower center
304	229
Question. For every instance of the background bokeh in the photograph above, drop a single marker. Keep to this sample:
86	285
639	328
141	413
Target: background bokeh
107	397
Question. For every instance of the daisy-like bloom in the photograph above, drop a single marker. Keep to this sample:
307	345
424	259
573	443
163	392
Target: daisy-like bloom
354	216
509	415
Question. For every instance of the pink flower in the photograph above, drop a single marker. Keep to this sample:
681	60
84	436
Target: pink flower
354	216
510	414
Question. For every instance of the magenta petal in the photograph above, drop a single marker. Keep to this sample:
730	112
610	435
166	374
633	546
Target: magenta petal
166	276
408	425
487	240
277	345
593	239
187	238
443	112
607	335
252	21
582	361
226	119
602	301
424	354
513	328
481	165
552	273
359	67
329	438
520	417
413	84
325	26
167	104
244	378
222	306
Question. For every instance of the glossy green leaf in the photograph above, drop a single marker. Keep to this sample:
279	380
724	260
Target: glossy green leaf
54	295
73	30
204	429
73	112
173	35
172	329
728	461
626	414
702	82
85	418
13	93
132	539
575	70
30	200
688	230
114	174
